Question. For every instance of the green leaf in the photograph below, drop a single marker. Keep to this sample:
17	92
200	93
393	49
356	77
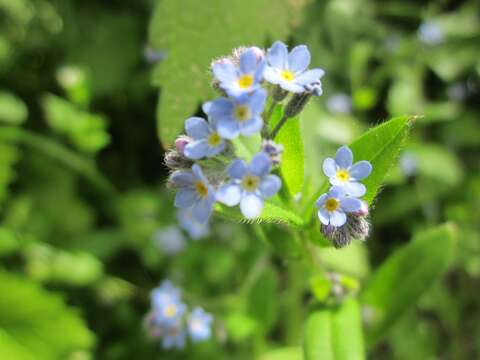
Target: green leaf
38	321
193	33
287	353
262	302
12	109
405	276
335	333
11	349
293	157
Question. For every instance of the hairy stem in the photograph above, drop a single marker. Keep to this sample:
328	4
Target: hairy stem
277	128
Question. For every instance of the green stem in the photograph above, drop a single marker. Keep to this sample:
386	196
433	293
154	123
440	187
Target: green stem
277	128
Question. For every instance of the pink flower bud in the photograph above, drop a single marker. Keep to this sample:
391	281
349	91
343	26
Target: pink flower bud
181	142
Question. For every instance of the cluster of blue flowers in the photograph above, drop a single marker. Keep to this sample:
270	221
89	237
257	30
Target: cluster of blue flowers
340	210
170	320
205	168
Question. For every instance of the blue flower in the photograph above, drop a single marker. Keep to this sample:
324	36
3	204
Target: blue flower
206	140
165	293
241	115
199	325
169	312
430	33
244	79
249	185
194	192
193	228
341	172
170	240
174	336
289	71
333	206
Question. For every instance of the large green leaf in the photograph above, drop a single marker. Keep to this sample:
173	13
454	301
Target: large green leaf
335	334
293	157
192	33
287	353
39	322
406	275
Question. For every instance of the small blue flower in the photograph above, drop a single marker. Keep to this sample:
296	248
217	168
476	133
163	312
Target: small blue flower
289	71
430	33
339	104
249	185
169	312
244	79
206	140
194	192
165	293
174	336
333	206
170	240
199	325
341	172
241	115
193	228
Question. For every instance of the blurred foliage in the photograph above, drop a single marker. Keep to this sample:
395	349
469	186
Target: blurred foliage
81	181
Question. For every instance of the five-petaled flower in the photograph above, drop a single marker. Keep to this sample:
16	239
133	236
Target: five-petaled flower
193	228
333	206
249	185
207	142
289	71
241	115
341	172
199	325
242	79
174	336
194	192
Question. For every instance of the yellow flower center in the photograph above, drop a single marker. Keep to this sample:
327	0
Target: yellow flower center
250	182
170	311
343	175
287	75
245	81
201	189
214	139
242	113
332	204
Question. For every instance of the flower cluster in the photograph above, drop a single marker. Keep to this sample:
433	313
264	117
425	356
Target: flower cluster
170	320
205	168
341	212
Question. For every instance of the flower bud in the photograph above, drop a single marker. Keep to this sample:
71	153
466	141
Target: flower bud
237	52
279	94
175	160
181	142
356	227
273	150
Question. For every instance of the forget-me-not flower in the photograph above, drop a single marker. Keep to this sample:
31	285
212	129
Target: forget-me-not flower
165	293
241	115
194	192
430	33
341	172
249	185
242	79
289	70
193	228
170	240
199	325
174	336
206	141
333	206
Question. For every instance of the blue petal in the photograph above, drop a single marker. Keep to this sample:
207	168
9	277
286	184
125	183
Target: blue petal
360	170
277	55
202	209
291	86
299	59
270	185
225	71
337	192
355	189
251	206
196	149
219	108
338	218
344	157
309	77
272	75
212	151
185	198
248	62
182	178
252	126
351	204
323	216
229	194
197	172
260	165
321	200
197	128
228	129
257	101
260	70
329	167
237	169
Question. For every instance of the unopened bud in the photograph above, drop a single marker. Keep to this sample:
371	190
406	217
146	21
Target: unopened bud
175	160
273	150
314	88
181	142
363	209
357	227
296	104
279	94
235	57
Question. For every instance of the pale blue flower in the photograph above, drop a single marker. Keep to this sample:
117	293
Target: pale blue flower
174	336
194	192
242	79
430	33
200	325
249	185
169	312
206	141
165	293
333	206
341	172
408	163
241	115
193	228
339	104
170	240
289	70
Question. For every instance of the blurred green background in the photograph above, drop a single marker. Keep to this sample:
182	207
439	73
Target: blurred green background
84	88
